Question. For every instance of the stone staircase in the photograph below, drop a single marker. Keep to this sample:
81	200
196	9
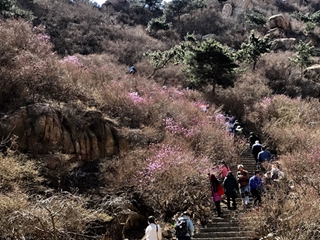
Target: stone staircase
228	227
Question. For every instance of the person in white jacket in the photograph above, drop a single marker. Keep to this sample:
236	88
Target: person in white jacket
153	231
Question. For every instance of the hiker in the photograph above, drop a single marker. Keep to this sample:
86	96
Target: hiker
264	155
216	193
263	158
276	173
253	138
268	182
236	124
228	125
220	118
184	228
238	130
204	107
153	231
255	149
256	187
132	70
268	185
231	187
243	181
223	170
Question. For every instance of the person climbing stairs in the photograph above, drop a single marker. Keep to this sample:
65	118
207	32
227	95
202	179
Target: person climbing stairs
229	227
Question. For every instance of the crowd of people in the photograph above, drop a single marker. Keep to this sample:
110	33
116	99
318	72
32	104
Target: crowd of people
226	185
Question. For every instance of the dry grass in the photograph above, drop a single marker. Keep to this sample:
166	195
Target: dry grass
172	143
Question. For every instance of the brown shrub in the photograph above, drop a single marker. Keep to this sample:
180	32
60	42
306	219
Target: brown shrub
131	43
18	173
57	217
29	69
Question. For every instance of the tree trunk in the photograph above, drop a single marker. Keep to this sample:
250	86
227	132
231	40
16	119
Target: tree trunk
213	92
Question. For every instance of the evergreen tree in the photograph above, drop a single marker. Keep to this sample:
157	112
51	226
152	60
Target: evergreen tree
9	9
206	62
176	8
303	57
209	62
156	24
153	4
256	19
252	51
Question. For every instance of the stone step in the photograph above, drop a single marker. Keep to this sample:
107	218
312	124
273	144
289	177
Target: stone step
228	227
221	225
225	238
221	229
222	234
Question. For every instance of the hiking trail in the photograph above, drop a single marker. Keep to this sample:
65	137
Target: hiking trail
229	226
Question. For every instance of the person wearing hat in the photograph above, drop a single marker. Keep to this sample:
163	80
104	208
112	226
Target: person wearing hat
239	130
231	187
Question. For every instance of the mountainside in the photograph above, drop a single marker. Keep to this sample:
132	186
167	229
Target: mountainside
89	151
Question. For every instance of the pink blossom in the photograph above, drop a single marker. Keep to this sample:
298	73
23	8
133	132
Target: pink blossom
134	96
71	59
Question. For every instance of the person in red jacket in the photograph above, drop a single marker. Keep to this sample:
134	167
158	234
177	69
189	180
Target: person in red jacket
216	197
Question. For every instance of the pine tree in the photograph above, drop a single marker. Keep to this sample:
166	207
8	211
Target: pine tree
303	57
9	9
251	52
206	62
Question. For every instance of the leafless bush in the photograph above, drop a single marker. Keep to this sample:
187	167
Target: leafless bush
18	172
62	216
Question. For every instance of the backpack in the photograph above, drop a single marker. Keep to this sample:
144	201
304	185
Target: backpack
181	228
220	190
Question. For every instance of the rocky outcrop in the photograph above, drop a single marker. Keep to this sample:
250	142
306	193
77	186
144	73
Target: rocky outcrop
43	129
227	10
210	36
278	21
241	7
283	44
312	71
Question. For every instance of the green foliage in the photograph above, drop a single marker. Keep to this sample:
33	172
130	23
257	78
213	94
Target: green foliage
252	51
256	19
9	9
153	4
307	17
303	57
156	24
310	26
209	62
176	8
206	62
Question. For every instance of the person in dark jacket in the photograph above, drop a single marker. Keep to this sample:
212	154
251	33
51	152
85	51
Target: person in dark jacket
243	180
253	138
255	149
256	187
230	185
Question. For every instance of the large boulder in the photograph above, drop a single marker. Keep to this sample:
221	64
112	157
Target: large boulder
279	21
242	6
275	33
227	10
283	44
210	36
42	129
312	71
